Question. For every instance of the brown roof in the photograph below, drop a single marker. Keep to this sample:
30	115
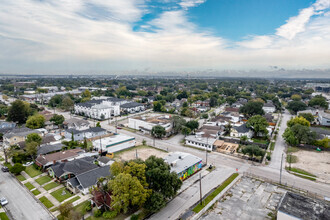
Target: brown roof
230	109
221	118
58	156
218	143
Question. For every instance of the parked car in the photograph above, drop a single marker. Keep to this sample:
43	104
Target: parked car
3	201
5	169
28	164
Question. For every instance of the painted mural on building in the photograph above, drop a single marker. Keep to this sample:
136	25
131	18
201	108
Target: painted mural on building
190	171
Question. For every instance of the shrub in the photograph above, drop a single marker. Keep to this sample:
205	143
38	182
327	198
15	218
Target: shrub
109	214
268	157
135	217
17	168
88	207
97	213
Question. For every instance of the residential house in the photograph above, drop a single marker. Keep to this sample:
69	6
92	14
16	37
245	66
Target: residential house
80	135
45	161
324	118
105	161
84	181
204	137
132	107
99	199
242	130
17	135
295	206
184	164
321	133
49	148
6	126
269	107
77	124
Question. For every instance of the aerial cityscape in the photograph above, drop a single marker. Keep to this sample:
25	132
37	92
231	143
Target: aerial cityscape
165	109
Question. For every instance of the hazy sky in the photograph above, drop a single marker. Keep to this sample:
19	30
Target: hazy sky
150	36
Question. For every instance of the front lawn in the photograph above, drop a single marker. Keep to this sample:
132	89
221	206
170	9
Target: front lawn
70	201
42	180
51	185
46	202
20	178
81	207
59	196
260	140
32	171
29	186
35	192
3	216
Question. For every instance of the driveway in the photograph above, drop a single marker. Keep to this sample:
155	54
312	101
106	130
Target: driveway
21	205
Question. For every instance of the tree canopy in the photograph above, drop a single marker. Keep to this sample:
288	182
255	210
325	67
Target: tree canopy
308	116
319	100
298	120
57	119
36	121
259	124
158	131
33	137
18	111
252	108
296	106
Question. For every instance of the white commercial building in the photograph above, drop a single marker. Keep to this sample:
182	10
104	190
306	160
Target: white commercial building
145	124
114	143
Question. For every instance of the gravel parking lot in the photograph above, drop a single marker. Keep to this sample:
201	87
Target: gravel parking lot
248	199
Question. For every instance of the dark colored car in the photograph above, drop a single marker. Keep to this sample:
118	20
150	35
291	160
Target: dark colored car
5	169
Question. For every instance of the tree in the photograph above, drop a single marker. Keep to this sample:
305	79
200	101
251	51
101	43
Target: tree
116	168
296	97
308	116
252	108
318	100
36	121
230	100
67	103
86	94
185	105
205	116
303	134
127	191
185	130
228	128
289	137
158	131
177	123
33	137
137	170
65	209
17	168
193	125
259	124
253	150
157	106
296	106
31	148
244	138
98	124
55	101
213	101
155	202
298	120
57	119
18	111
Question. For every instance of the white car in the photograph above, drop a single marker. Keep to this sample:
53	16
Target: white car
3	201
28	164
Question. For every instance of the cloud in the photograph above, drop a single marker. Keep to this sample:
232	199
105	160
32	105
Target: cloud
79	36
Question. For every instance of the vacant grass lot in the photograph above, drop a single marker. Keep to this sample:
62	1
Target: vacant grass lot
32	172
58	194
291	158
210	197
29	186
46	202
42	180
20	178
51	185
35	192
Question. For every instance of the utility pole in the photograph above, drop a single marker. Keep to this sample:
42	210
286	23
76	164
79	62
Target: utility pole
154	141
207	145
101	146
136	154
281	170
116	124
200	189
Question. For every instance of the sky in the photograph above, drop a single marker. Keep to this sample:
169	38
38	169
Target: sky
267	38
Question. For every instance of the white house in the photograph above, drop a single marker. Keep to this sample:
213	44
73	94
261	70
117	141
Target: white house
80	135
269	107
77	124
324	118
242	130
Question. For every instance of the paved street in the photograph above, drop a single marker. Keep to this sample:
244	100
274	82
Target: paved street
21	205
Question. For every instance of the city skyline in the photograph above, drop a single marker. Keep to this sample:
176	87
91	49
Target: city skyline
241	38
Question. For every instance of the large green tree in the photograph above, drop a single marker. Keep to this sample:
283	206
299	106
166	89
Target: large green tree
177	123
298	120
308	116
18	111
158	131
296	106
67	103
57	119
252	108
127	191
253	150
33	137
259	124
319	100
193	125
35	121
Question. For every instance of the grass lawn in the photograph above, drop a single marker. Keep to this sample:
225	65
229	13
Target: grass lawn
305	177
70	201
20	178
292	149
3	216
51	185
210	197
35	192
32	172
58	194
260	141
301	171
293	159
46	202
42	180
272	146
29	186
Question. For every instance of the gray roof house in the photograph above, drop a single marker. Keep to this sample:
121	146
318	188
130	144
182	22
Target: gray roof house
84	181
77	124
49	148
132	107
79	135
242	130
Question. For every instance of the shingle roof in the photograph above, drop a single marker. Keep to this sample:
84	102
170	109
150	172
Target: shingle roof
88	179
49	148
20	132
75	167
131	105
92	130
75	121
242	128
44	159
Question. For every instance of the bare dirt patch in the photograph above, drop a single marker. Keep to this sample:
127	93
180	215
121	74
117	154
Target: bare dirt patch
143	152
317	163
